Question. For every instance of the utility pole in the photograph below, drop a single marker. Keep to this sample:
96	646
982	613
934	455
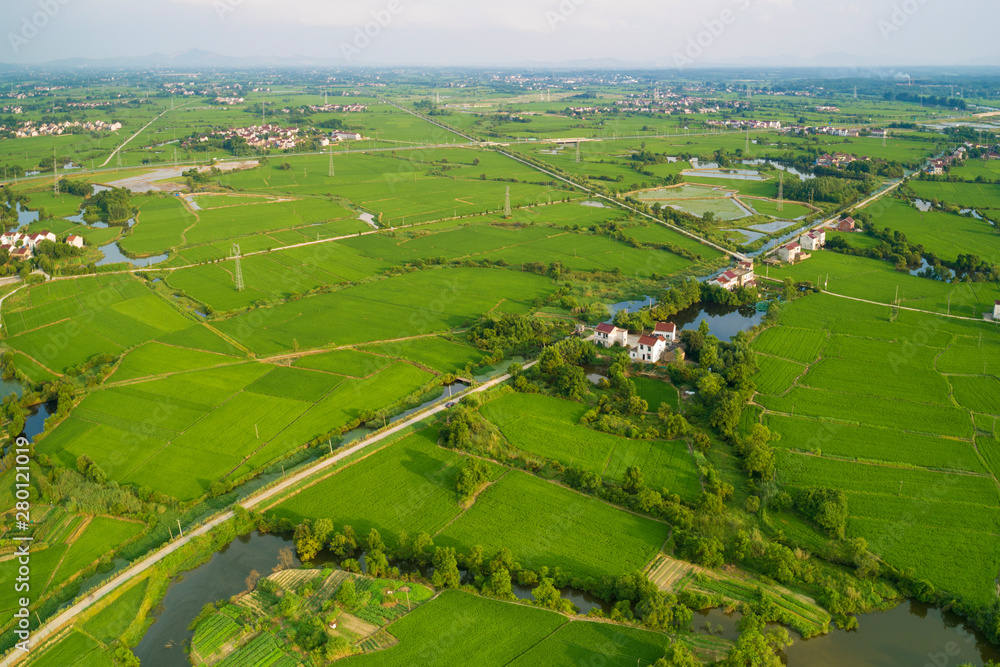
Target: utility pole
179	529
506	203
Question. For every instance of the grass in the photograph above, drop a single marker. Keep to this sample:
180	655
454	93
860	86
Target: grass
802	345
876	280
878	418
113	620
459	628
544	524
945	234
435	353
655	391
180	433
157	359
74	650
351	362
451	298
548	427
416	482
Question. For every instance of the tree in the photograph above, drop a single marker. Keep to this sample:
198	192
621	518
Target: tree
374	541
547	595
347	595
499	585
634	479
446	573
378	564
306	543
825	507
755	647
678	655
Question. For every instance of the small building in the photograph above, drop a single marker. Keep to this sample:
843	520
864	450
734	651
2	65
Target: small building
648	350
996	311
609	335
74	240
727	280
790	253
345	136
846	225
813	240
666	330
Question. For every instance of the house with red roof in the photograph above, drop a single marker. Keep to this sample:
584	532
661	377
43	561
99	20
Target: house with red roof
648	350
666	330
609	335
791	252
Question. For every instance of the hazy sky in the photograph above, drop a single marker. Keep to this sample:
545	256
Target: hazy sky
454	32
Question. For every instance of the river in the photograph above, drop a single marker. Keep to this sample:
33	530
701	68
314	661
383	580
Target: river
910	634
223	576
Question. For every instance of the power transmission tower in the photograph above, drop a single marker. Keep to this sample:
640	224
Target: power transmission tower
746	151
238	273
781	191
855	92
506	203
885	135
330	151
55	175
578	152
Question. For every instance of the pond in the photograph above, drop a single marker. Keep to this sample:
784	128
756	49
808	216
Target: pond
922	205
24	216
593	204
220	578
724	322
368	219
113	255
911	634
583	600
772	227
805	176
630	306
733	174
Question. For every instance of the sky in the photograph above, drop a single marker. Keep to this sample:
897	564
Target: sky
665	33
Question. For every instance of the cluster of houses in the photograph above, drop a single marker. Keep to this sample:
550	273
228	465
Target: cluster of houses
259	136
733	279
30	129
229	100
813	240
838	160
338	108
21	246
648	348
937	166
743	124
340	136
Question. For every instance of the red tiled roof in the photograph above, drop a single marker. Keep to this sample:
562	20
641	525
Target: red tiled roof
648	340
792	246
669	327
604	327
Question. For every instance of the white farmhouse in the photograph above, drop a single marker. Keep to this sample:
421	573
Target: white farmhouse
609	335
649	349
813	240
666	330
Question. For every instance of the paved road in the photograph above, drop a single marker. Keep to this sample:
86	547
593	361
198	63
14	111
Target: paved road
70	613
138	132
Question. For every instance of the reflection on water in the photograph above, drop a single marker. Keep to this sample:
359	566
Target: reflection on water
911	634
220	578
113	255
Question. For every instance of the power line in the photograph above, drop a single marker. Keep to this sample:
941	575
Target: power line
238	273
